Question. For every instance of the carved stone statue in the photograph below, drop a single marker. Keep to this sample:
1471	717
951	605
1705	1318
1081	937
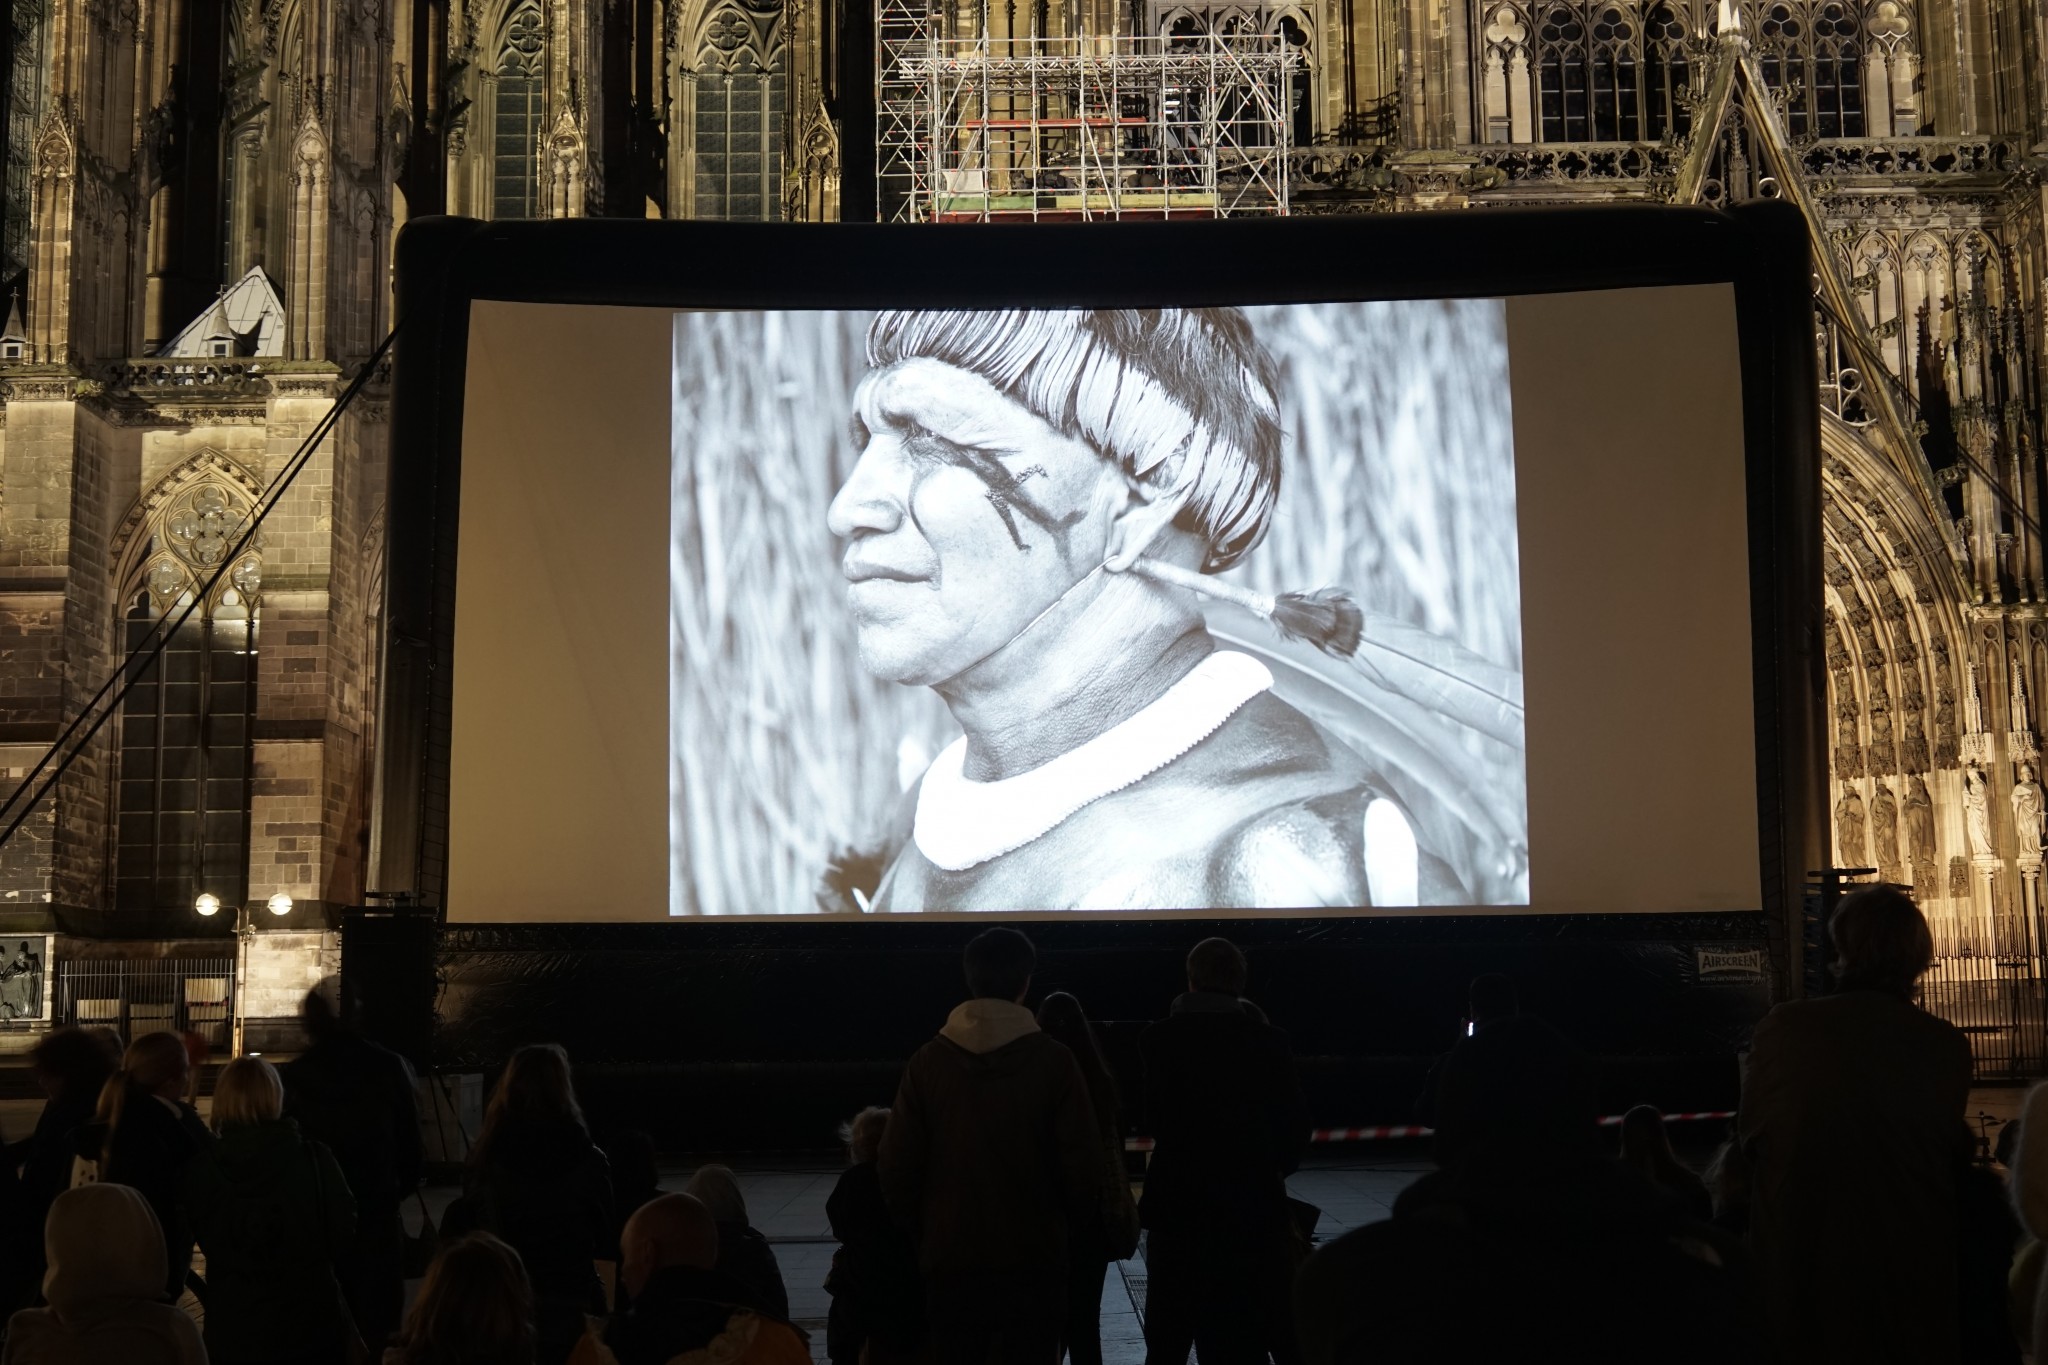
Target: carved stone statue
1849	830
1884	834
1977	811
2026	812
1919	821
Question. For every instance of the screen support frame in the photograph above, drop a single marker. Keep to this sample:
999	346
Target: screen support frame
444	264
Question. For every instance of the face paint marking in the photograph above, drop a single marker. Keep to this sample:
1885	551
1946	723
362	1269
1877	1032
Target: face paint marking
1005	489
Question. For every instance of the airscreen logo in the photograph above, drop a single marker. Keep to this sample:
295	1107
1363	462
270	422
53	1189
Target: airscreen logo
1730	966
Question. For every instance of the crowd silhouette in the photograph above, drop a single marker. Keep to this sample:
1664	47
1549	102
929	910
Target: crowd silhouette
1848	1218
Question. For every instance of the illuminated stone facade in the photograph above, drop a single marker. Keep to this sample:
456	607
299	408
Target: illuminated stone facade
158	152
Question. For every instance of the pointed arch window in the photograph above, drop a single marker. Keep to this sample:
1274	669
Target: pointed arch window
1667	73
1295	34
739	112
1813	51
516	115
184	749
1589	86
1564	79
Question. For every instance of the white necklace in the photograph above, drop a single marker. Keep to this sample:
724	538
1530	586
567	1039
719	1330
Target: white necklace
961	823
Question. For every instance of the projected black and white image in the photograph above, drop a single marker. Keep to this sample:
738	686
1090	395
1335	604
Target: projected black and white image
1095	611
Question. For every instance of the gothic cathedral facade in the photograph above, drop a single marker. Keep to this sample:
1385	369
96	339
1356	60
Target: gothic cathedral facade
196	230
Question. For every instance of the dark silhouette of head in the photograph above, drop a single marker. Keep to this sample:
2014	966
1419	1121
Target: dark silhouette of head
326	1010
1217	966
1490	999
536	1087
862	1134
1518	1087
673	1231
999	964
73	1062
1062	1019
1881	940
474	1306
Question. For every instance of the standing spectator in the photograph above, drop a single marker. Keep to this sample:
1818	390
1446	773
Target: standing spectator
991	1154
355	1097
143	1135
1229	1124
1647	1147
1112	1233
744	1256
877	1315
1527	1244
537	1181
475	1308
104	1287
271	1211
680	1313
1852	1109
1490	998
71	1067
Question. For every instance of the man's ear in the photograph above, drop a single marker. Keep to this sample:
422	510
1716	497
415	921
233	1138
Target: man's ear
1146	514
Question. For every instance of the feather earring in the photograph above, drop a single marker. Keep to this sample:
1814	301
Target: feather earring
1427	668
1326	618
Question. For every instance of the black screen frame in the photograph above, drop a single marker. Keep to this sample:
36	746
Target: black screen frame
1761	250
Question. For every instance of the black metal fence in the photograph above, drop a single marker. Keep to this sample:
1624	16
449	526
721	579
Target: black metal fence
134	997
1987	980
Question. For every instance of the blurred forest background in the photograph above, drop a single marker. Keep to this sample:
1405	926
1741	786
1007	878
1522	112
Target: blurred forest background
1398	484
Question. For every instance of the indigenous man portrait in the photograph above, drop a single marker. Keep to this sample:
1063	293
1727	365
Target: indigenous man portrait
1016	472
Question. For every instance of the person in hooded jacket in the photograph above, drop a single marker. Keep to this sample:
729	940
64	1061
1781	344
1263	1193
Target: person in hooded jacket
104	1287
744	1256
272	1211
991	1155
537	1181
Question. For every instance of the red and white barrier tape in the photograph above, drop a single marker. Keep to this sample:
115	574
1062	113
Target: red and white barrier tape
1614	1120
1411	1130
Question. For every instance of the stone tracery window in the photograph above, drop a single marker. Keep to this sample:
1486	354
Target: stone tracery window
1587	73
1620	70
516	117
1667	73
739	111
1813	51
1296	34
182	792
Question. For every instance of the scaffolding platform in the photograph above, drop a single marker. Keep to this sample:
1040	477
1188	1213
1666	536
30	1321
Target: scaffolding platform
1077	127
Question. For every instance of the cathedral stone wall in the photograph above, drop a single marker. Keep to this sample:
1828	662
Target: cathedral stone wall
1915	139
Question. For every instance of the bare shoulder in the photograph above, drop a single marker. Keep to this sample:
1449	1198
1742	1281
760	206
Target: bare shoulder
1299	853
1324	829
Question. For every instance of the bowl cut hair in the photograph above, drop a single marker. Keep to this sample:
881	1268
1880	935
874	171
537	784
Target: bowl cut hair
1182	399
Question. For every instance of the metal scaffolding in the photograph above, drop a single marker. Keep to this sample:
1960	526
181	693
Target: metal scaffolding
1077	127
